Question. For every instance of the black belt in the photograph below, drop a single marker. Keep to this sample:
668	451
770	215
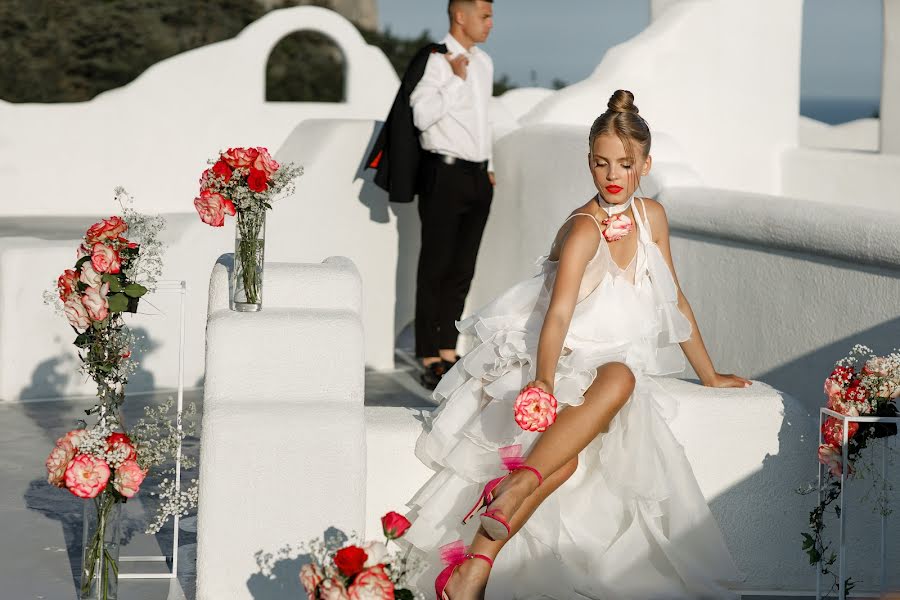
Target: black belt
460	162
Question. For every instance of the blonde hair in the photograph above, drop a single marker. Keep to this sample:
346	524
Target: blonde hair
622	120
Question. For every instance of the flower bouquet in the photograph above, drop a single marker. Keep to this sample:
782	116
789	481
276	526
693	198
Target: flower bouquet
366	572
861	385
244	181
102	463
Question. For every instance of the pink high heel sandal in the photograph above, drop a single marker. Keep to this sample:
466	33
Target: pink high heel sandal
453	554
493	522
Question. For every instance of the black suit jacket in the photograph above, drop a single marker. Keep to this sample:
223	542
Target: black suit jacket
397	151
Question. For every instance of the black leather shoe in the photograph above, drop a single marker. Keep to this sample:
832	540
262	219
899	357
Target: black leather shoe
431	376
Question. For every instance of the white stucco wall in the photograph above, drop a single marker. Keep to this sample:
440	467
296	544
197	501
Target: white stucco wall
861	134
701	75
890	78
154	135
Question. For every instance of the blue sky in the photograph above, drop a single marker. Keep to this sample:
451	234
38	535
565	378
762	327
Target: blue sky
566	39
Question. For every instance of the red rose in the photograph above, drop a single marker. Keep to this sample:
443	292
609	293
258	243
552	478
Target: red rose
117	441
350	560
833	431
257	180
842	375
394	525
222	169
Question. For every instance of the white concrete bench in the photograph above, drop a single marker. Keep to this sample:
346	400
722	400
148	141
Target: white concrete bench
283	442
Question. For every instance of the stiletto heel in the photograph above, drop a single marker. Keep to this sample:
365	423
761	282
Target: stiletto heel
493	521
453	555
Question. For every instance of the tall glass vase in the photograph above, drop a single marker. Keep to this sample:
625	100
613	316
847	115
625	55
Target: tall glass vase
100	548
249	255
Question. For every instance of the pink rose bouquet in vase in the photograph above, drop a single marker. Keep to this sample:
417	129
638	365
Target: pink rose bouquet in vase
244	182
861	385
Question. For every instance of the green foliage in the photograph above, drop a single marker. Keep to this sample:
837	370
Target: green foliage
118	303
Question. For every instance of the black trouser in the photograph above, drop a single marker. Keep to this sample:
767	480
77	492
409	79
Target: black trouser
454	202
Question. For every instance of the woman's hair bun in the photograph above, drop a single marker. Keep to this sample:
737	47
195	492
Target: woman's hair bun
622	101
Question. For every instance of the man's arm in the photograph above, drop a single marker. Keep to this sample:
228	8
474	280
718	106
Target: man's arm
439	90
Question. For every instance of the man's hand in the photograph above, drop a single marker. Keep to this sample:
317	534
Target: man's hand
492	178
459	64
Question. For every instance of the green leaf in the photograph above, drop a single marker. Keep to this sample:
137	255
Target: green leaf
83	340
118	302
403	595
113	280
135	290
808	541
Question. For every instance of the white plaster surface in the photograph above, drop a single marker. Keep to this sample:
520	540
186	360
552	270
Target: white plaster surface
890	78
843	178
861	134
701	75
282	386
154	135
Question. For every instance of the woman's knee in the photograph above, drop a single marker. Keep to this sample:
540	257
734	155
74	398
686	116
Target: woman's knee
618	376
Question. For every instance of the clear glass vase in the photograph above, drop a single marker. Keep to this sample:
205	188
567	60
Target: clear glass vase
100	548
249	257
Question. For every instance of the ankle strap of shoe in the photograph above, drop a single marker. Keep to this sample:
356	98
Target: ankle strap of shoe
487	559
537	473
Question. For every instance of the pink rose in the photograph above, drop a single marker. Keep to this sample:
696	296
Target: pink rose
128	478
105	259
617	227
76	313
240	157
74	437
832	458
394	525
120	443
59	459
372	584
66	283
265	163
87	475
107	229
89	276
535	409
212	208
376	552
833	430
332	589
257	180
94	301
878	366
834	391
311	576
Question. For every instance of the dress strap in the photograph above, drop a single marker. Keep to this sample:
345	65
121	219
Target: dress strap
593	218
645	221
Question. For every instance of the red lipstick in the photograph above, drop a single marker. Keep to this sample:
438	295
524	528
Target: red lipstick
614	189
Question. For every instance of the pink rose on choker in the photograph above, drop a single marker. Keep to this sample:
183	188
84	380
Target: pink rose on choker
535	409
617	227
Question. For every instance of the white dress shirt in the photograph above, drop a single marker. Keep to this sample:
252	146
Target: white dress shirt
452	113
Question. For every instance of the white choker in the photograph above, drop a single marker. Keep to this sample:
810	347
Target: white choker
613	209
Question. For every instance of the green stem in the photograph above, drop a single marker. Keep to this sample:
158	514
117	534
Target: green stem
249	226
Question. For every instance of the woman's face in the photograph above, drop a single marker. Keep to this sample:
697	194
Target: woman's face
616	174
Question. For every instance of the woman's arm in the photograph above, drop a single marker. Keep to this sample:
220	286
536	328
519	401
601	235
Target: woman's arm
578	248
694	348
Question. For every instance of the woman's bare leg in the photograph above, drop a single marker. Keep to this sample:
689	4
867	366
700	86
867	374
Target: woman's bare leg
555	455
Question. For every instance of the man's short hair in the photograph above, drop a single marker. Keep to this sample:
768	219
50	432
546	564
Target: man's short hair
452	4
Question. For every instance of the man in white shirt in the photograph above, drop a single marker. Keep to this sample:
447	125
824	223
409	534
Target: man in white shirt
450	108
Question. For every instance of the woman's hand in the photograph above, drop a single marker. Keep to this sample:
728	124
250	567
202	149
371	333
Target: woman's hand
537	383
720	380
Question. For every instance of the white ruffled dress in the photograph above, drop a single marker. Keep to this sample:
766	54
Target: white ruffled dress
631	523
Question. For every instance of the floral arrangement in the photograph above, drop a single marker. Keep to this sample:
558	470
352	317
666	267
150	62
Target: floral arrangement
861	384
118	261
366	572
535	409
244	182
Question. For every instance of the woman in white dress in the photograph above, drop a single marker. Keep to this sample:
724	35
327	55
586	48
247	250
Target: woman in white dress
603	504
